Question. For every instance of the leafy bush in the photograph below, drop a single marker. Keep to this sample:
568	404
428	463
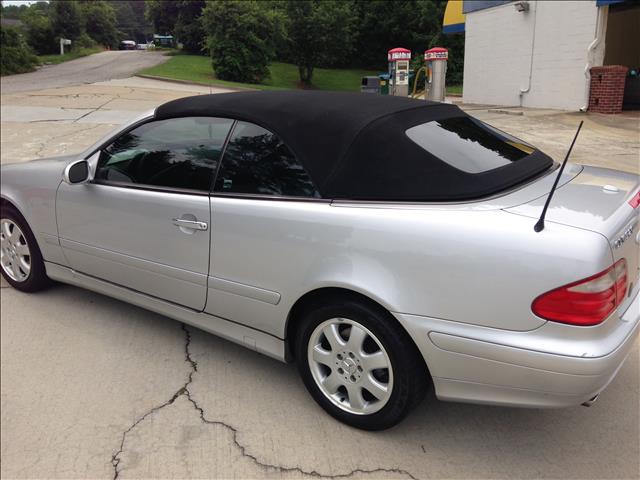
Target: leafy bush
83	41
180	18
242	35
320	33
40	35
100	22
66	19
191	35
15	55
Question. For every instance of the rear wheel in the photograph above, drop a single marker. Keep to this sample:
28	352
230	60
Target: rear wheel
20	258
359	365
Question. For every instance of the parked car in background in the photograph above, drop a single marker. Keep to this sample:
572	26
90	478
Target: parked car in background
384	244
145	46
127	45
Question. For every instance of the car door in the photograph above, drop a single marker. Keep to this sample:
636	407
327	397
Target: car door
264	207
144	221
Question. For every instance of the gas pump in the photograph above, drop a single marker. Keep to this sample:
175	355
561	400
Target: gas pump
436	63
399	59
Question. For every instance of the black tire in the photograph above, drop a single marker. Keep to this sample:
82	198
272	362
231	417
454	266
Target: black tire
410	375
37	278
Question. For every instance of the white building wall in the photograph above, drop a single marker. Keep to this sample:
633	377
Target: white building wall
498	53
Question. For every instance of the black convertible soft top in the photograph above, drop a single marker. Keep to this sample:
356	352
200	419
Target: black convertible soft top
354	146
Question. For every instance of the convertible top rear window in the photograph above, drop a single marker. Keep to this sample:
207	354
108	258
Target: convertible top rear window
468	144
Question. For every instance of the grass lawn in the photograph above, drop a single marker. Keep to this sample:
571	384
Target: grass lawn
72	55
455	89
197	68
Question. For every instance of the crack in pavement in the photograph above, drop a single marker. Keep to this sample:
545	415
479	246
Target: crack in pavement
184	391
97	108
43	145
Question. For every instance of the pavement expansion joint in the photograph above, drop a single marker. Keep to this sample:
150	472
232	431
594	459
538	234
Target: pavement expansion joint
184	391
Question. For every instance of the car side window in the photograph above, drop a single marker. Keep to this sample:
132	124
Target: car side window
178	153
256	161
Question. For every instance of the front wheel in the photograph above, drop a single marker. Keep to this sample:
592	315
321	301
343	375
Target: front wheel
360	365
20	258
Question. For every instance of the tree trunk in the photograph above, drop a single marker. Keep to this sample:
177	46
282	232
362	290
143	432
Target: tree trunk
306	74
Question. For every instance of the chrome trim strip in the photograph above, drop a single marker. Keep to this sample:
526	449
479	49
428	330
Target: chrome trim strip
151	188
281	198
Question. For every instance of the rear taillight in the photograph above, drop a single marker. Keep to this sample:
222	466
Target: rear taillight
635	200
585	302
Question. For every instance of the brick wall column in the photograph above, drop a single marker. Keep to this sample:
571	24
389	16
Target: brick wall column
607	88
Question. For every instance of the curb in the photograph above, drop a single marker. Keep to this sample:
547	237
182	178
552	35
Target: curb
198	84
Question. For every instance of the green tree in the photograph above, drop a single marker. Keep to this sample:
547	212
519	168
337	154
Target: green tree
13	11
131	21
413	24
242	35
163	15
319	32
384	25
181	18
39	32
188	28
15	55
66	19
100	22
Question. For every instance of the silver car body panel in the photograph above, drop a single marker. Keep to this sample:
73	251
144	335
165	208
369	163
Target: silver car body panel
554	366
451	262
459	278
127	236
31	187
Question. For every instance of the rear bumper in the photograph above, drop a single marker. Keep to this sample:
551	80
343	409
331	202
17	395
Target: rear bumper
553	366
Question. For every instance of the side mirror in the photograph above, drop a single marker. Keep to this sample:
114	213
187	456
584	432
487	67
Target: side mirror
81	171
76	172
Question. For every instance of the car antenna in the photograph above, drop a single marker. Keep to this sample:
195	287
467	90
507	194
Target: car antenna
539	226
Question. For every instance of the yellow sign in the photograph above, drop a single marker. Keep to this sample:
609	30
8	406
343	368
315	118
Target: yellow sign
453	17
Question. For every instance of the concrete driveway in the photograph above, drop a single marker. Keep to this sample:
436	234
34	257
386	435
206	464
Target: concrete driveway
93	68
95	388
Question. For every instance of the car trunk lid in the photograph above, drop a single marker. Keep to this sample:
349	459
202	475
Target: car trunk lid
602	201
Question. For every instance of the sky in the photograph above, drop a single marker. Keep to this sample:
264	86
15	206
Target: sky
17	2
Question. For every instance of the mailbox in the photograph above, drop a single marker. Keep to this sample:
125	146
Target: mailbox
63	42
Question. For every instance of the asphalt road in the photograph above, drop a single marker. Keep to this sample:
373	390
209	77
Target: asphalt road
95	388
93	68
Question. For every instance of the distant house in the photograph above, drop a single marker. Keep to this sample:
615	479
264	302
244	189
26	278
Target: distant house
563	54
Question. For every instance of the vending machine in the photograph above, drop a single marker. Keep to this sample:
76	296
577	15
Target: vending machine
399	59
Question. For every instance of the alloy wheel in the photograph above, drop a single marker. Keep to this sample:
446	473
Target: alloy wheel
350	366
15	256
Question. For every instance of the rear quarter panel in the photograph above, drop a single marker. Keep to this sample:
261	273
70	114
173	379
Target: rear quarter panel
460	263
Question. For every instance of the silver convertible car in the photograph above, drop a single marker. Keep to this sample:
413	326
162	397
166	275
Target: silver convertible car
384	244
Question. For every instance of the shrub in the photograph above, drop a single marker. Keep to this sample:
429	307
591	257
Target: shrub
242	35
191	35
100	22
40	35
15	55
83	41
66	19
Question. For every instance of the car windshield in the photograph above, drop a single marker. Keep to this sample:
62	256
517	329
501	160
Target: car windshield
469	144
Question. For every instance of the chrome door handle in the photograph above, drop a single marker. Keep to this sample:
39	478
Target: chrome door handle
193	224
